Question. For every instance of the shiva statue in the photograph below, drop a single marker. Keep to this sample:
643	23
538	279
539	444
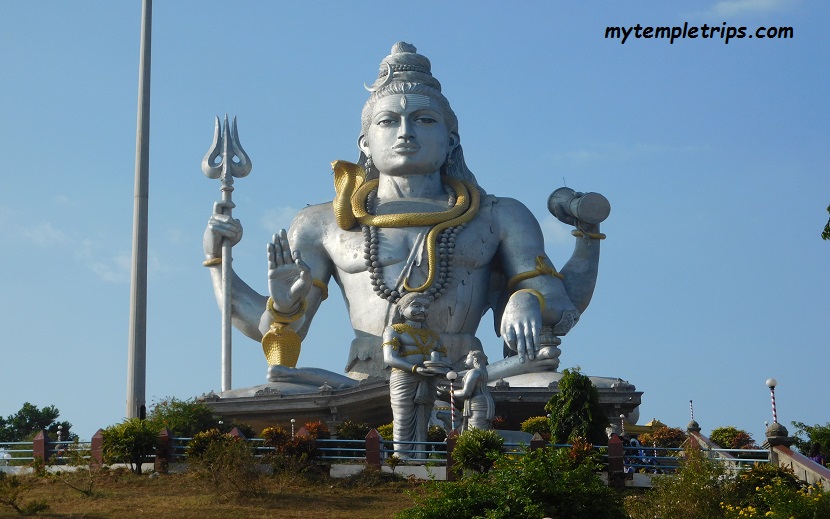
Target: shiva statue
410	217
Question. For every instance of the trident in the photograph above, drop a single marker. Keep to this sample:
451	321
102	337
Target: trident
226	145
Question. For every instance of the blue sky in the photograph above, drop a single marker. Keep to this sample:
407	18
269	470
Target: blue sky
714	156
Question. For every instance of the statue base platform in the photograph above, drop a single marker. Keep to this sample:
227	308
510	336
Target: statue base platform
517	398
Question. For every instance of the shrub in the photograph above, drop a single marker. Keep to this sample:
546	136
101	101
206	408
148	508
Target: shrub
732	438
477	450
184	418
226	463
436	434
538	484
318	430
349	430
537	425
575	410
746	487
274	436
499	423
665	437
13	490
386	431
779	500
131	442
696	491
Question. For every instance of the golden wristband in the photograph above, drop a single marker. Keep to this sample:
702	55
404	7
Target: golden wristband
212	262
590	235
282	318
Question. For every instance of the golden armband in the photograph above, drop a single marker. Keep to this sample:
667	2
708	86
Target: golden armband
541	269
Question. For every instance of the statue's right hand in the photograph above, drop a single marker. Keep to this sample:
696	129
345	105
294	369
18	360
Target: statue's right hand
289	278
219	227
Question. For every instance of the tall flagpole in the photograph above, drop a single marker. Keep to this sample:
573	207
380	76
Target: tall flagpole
137	354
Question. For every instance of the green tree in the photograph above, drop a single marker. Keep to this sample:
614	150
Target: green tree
668	437
28	421
807	435
131	442
825	234
732	438
184	418
575	410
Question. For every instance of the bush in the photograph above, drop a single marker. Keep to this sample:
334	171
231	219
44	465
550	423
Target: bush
696	491
538	484
537	425
500	423
779	500
131	442
665	437
746	487
318	430
732	438
274	436
575	410
13	490
349	430
226	463
385	431
477	450
184	418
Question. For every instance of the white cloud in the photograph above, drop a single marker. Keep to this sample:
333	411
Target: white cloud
62	200
555	232
112	269
44	234
278	218
744	7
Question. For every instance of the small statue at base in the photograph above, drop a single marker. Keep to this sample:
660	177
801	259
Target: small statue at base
416	356
479	407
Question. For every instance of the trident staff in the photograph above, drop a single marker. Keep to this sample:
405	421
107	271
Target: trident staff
226	148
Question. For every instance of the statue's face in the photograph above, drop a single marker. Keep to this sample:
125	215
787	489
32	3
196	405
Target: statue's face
407	135
470	362
416	310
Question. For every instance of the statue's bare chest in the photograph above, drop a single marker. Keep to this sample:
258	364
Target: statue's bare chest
474	247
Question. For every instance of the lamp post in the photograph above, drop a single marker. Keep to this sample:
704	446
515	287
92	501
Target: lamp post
292	428
771	383
451	376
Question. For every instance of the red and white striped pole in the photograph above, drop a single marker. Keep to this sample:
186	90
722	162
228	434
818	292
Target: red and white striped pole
771	383
451	376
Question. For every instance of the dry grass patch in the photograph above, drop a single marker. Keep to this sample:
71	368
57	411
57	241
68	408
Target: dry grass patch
180	496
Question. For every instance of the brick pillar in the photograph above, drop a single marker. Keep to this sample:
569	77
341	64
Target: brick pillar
40	446
96	449
373	450
451	439
164	453
616	469
537	442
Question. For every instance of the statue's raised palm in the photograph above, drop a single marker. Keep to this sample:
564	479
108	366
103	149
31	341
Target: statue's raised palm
289	278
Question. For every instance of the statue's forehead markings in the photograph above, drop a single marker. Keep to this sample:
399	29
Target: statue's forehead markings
404	101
